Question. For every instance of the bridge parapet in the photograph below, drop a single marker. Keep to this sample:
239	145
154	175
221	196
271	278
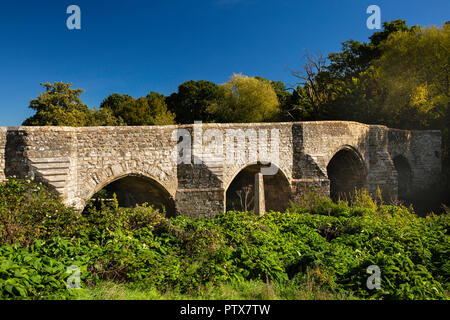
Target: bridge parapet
326	156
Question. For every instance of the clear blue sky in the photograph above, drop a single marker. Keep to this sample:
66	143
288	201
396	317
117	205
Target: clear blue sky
135	47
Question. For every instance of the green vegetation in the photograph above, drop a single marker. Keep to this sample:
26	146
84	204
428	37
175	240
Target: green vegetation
191	101
244	99
317	249
60	105
232	290
151	110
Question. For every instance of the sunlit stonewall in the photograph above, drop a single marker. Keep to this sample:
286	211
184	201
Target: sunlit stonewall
202	169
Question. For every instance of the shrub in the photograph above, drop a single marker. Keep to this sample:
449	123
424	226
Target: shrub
328	244
30	211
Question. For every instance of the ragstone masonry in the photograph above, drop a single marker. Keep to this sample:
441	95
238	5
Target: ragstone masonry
77	162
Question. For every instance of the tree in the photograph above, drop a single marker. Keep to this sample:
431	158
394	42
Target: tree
245	99
356	57
415	69
405	87
349	86
359	98
285	98
191	101
114	101
150	110
59	105
104	117
315	88
158	109
135	112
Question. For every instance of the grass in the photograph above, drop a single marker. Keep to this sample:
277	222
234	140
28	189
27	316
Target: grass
235	290
316	250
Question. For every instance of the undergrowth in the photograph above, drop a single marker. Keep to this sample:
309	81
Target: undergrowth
315	250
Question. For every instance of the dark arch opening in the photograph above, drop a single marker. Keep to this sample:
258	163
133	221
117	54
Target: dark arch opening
346	173
404	176
134	190
240	193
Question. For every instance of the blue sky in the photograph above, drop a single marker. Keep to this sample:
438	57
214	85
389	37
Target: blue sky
135	47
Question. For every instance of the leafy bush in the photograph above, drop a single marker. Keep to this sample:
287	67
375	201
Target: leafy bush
29	211
40	271
328	244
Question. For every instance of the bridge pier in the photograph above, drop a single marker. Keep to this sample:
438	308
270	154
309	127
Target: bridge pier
259	202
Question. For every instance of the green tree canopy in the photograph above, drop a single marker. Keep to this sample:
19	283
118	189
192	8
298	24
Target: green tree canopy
59	105
151	110
191	101
159	112
356	57
114	101
245	99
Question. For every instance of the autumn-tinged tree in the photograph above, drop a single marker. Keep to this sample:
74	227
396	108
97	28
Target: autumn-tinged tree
285	98
415	70
245	99
356	57
405	87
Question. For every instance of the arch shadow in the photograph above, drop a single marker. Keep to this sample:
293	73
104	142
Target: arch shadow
134	189
239	192
346	171
404	176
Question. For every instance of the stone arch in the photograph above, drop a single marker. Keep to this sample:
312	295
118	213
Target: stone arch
346	171
277	188
404	176
131	173
231	172
133	189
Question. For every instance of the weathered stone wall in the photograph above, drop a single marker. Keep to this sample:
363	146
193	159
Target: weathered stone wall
422	149
108	153
2	153
78	162
44	153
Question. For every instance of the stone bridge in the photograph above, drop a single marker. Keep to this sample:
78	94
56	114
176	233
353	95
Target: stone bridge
148	163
